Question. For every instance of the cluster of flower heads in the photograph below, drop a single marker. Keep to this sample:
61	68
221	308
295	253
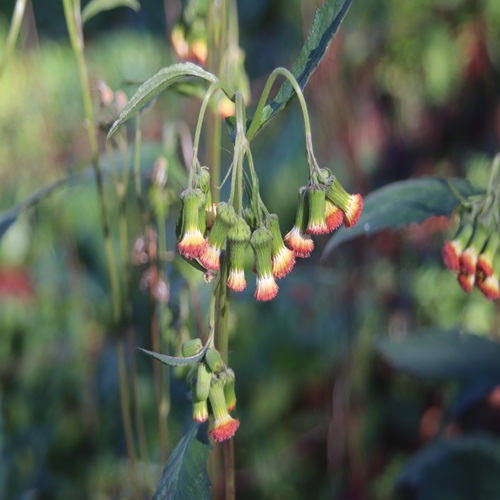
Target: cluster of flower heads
204	230
474	256
212	389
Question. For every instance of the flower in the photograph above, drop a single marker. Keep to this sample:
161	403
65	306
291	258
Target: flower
226	218
297	239
452	249
333	216
350	204
485	258
200	411
316	223
261	242
192	243
225	426
283	259
237	242
468	258
489	287
466	281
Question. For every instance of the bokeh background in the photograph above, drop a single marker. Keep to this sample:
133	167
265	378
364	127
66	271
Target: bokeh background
406	89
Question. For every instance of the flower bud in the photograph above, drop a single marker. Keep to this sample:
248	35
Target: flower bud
192	243
297	239
453	249
226	218
200	411
261	242
468	258
229	393
225	426
213	360
283	259
191	347
237	242
316	223
203	381
350	204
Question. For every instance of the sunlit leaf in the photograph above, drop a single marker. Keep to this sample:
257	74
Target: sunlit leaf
173	360
185	475
325	24
404	202
95	7
443	355
156	84
461	468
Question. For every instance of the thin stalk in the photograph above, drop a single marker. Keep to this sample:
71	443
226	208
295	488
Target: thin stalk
15	26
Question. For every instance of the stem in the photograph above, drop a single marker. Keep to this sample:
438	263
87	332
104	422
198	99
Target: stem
15	26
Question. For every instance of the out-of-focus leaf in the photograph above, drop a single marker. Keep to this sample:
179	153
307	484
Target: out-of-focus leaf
95	7
156	84
173	360
325	24
403	202
443	355
456	469
185	475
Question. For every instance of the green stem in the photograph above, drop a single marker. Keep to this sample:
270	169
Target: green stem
15	26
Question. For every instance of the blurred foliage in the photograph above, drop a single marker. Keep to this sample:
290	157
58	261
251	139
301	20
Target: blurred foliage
408	88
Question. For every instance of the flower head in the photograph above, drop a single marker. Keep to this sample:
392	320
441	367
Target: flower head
333	216
466	282
238	239
297	239
453	249
283	259
486	257
225	426
468	258
261	242
316	223
192	243
489	287
200	411
350	204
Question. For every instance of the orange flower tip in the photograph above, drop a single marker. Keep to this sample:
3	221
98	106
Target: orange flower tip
231	407
300	243
484	265
317	228
266	288
354	209
225	428
192	244
334	219
236	280
490	288
210	258
451	255
283	262
466	281
468	261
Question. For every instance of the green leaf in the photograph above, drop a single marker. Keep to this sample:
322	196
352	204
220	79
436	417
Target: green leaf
156	84
399	203
176	361
325	24
185	475
443	355
95	7
462	468
10	216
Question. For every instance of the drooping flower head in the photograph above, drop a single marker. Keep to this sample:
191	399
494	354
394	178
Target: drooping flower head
453	249
316	223
226	218
192	243
350	204
283	259
225	426
486	257
468	258
297	239
238	239
489	284
261	242
333	216
200	411
466	281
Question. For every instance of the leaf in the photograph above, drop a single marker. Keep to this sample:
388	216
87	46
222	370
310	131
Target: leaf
185	474
10	216
403	202
95	7
176	361
325	24
156	84
455	469
443	355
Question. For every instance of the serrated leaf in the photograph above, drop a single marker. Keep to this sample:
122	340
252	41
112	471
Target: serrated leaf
404	202
95	7
462	468
156	84
174	360
443	355
185	475
325	24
